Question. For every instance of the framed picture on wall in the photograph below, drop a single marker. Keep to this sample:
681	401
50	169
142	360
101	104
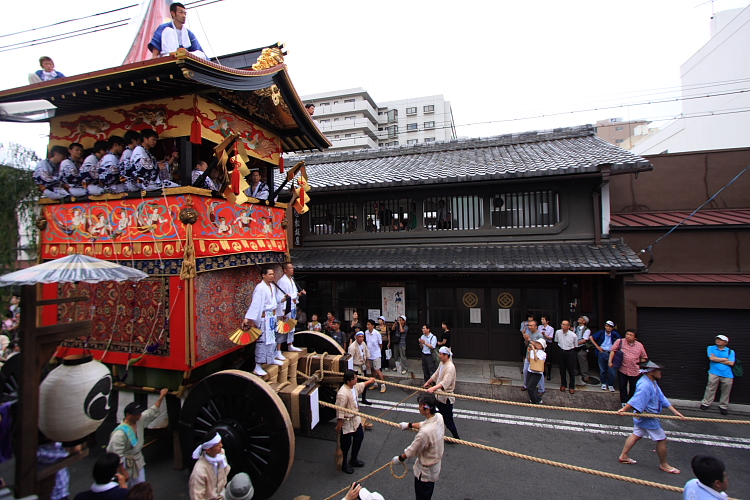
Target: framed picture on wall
394	302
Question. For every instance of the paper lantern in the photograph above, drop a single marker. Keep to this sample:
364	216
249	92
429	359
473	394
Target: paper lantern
74	399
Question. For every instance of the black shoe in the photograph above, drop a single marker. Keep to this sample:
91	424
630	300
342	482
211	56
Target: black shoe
704	407
365	402
347	468
724	411
356	463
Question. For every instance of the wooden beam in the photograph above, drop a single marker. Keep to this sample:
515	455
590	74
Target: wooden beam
28	397
51	302
63	331
53	469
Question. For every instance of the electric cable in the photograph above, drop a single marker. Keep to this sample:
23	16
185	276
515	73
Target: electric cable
68	21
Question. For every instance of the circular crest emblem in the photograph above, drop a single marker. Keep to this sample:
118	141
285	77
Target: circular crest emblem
471	299
505	300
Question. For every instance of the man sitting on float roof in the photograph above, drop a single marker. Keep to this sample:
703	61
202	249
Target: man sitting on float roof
174	35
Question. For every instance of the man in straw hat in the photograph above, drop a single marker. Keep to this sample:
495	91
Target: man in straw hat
427	446
349	425
444	379
127	439
648	398
265	312
209	476
239	488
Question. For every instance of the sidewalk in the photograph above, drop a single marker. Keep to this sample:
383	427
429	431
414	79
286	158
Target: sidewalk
503	380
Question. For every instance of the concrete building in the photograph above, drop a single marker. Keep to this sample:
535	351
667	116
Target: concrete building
351	119
622	133
720	69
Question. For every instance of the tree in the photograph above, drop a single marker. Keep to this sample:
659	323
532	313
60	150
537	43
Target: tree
18	206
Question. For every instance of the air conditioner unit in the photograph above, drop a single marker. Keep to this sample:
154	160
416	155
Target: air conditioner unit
27	111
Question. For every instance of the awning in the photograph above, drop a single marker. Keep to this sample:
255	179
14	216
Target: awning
508	258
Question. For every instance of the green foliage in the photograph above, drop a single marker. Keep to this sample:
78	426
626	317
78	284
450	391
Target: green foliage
18	206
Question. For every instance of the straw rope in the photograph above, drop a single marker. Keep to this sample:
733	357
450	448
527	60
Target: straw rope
393	473
530	458
560	408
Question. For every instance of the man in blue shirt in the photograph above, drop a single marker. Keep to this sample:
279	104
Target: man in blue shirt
722	360
711	482
603	341
174	35
648	398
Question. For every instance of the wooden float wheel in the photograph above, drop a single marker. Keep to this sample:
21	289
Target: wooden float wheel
317	342
253	422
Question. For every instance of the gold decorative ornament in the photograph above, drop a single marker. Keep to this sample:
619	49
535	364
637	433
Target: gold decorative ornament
273	92
269	57
188	215
41	223
213	247
470	299
505	300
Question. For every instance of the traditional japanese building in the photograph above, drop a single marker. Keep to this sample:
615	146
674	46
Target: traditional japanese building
474	232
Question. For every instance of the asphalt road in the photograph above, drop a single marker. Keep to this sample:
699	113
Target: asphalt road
580	439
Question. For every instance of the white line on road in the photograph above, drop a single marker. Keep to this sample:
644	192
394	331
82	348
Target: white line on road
570	425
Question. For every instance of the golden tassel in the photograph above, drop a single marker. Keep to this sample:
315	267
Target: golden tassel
188	259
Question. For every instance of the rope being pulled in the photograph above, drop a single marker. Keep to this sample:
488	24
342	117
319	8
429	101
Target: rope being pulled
393	473
560	408
530	458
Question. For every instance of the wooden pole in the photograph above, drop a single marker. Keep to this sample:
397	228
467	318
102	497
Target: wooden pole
28	396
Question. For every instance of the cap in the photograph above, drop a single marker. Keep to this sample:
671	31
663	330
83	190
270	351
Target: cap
723	337
239	488
649	365
134	409
445	350
403	317
610	323
382	317
335	321
541	341
359	333
585	318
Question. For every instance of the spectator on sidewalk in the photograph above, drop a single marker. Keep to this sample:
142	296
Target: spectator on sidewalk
648	398
533	335
603	341
109	484
398	340
427	343
548	333
314	325
535	357
337	334
374	345
582	351
711	482
722	359
633	353
444	379
566	342
239	488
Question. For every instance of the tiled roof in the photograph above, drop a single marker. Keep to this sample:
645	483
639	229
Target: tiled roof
691	278
559	257
571	150
668	219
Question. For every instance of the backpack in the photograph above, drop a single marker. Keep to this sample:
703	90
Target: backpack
737	370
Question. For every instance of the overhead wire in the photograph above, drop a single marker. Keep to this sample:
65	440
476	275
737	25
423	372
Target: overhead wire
69	21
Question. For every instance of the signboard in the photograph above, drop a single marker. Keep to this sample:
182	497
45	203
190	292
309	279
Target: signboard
475	315
504	316
373	314
394	302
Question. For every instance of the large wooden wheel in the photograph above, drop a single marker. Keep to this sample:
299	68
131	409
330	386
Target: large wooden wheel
252	420
317	342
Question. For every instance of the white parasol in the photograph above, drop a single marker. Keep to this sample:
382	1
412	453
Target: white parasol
71	269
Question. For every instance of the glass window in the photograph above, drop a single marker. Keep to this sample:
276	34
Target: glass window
411	126
453	212
325	103
412	141
384	216
325	121
348	100
333	218
617	129
348	135
529	209
411	111
429	124
429	139
350	117
429	109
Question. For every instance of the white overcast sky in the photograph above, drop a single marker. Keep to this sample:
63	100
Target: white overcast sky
496	61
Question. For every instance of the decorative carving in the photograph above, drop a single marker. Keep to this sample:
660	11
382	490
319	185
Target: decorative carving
41	223
269	58
273	92
254	103
188	215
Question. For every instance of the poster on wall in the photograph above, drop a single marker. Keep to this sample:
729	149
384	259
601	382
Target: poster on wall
504	316
394	303
373	314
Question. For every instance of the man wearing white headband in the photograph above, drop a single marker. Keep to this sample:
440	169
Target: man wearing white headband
209	476
444	379
427	446
648	398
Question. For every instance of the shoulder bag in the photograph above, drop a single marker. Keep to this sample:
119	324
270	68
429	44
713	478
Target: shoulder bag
737	370
619	355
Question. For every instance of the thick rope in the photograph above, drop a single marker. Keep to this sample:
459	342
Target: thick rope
513	454
399	403
393	473
561	408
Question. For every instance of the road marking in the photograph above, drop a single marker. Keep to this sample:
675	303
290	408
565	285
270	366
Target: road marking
574	426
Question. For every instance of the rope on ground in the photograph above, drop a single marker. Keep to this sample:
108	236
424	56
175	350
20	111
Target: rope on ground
560	408
530	458
393	473
397	404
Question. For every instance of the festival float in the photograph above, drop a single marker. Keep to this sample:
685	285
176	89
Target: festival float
201	250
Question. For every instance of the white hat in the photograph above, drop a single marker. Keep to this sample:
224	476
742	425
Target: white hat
723	337
403	317
610	323
541	341
208	444
445	350
364	494
239	488
381	317
585	318
359	333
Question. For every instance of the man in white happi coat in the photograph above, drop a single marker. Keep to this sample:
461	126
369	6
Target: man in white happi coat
174	35
266	310
287	285
444	379
210	473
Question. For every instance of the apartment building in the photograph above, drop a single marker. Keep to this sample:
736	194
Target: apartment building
351	119
622	133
